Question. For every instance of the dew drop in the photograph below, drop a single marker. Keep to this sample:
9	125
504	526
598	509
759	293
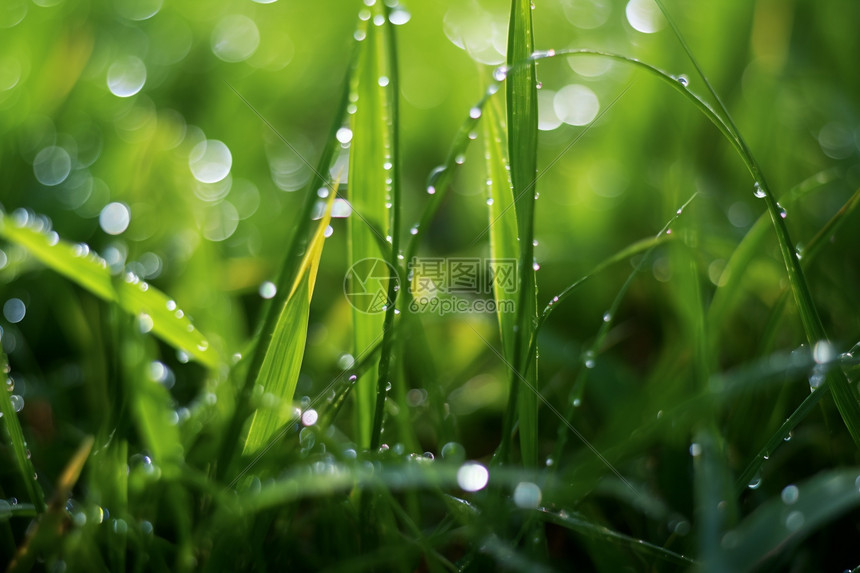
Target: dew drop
607	316
489	200
399	16
758	192
500	73
413	230
17	402
475	112
683	80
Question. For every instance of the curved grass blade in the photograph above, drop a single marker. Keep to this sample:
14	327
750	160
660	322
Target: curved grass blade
372	181
282	362
748	250
783	522
845	395
582	526
156	311
10	421
522	121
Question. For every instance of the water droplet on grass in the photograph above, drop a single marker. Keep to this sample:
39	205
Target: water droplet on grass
758	192
475	112
399	16
683	80
500	73
17	402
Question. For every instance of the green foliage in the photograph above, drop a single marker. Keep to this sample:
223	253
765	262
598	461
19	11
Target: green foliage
686	400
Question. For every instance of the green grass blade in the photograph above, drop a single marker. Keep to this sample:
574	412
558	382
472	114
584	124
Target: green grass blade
372	177
845	395
591	530
155	309
522	121
749	249
282	362
16	439
783	522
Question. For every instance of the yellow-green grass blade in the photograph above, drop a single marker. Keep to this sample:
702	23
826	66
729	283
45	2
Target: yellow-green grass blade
371	179
155	310
522	121
504	247
282	362
286	277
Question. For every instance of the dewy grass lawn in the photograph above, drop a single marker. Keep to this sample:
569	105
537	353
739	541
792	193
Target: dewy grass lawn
248	325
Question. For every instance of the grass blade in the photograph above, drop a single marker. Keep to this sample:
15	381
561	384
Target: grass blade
282	362
783	522
522	118
372	193
586	528
19	446
155	309
845	395
504	248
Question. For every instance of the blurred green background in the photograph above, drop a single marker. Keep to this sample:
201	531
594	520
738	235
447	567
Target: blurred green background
114	110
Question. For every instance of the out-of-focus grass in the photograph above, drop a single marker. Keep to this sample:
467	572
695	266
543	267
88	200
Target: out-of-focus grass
176	141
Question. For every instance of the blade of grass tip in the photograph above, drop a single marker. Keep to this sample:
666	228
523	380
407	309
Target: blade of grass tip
156	311
282	363
845	395
522	120
372	172
286	275
15	436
